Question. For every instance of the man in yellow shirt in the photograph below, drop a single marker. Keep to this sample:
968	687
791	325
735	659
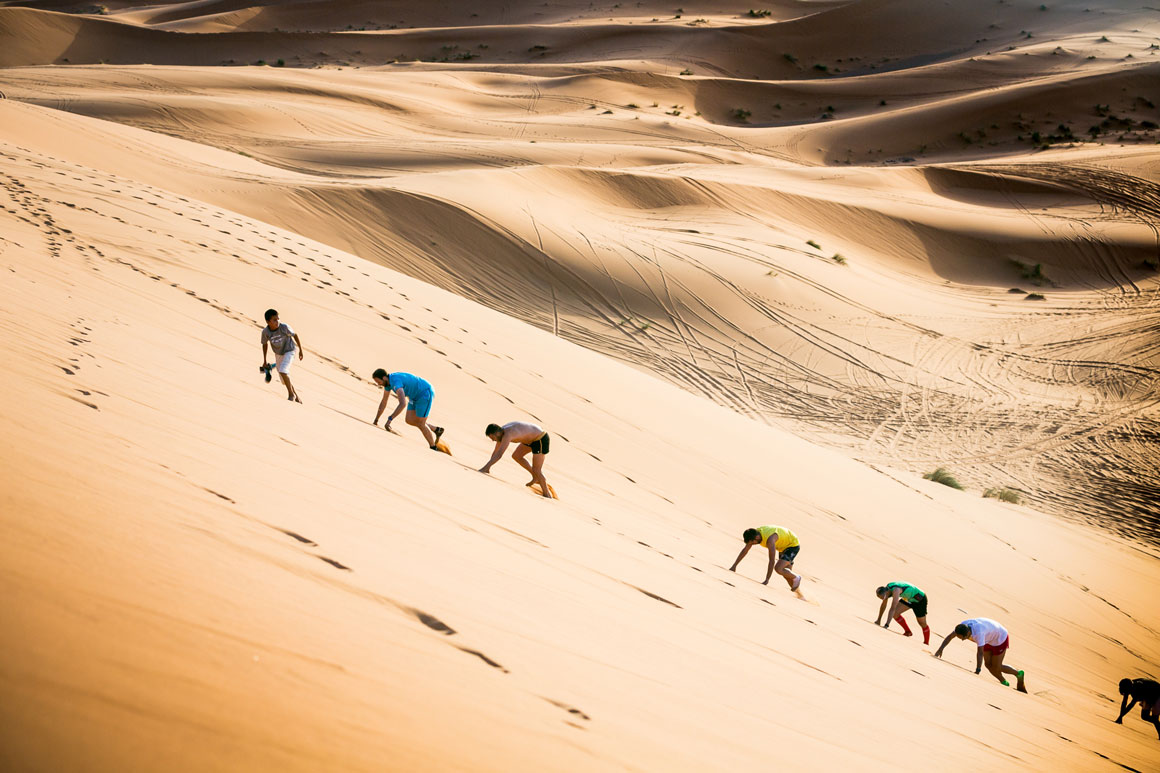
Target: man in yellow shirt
783	548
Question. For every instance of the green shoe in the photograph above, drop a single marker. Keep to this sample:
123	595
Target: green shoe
1006	683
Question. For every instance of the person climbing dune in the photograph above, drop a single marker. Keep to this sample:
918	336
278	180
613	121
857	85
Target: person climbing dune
1146	692
530	438
902	597
415	396
992	640
782	552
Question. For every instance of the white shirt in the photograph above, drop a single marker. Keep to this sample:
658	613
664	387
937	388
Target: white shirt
984	630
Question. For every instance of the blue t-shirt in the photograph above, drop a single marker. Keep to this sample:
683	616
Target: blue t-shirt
413	386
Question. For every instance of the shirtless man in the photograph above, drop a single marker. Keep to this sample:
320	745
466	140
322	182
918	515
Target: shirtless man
1147	693
992	640
783	548
530	438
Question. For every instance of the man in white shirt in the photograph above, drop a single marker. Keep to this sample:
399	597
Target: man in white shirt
992	640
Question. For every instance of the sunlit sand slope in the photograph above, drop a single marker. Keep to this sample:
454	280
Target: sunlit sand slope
873	308
200	575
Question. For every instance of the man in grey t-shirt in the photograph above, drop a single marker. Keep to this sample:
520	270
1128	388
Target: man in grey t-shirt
284	341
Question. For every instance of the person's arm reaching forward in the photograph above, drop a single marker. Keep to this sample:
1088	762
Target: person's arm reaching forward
740	556
497	454
881	609
402	406
938	653
772	563
382	407
1125	707
895	602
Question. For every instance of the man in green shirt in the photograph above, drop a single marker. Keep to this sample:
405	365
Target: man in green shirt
902	597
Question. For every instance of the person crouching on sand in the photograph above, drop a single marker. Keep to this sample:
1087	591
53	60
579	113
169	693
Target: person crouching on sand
530	438
415	395
1147	693
902	597
782	552
284	341
993	641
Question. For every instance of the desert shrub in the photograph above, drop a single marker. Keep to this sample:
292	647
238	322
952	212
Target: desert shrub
839	258
814	244
1032	273
941	475
759	14
740	114
1003	494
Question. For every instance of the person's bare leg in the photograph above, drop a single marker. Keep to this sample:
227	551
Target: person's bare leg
783	568
415	421
995	665
1152	714
518	456
538	474
1013	671
290	393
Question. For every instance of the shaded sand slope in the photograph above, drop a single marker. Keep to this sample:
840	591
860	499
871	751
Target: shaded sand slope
877	35
199	575
685	249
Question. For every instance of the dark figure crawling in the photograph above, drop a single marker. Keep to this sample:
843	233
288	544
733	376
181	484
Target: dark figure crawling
1147	693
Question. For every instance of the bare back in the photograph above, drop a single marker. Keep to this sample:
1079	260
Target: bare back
522	432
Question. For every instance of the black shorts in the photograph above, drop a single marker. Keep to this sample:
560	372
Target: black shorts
1147	693
918	605
540	446
789	554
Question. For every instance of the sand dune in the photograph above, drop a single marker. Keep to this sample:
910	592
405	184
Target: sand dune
760	292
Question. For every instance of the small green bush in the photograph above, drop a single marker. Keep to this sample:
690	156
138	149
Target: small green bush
1003	494
741	114
941	475
814	244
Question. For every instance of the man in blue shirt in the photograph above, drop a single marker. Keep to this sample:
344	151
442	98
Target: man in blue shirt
415	395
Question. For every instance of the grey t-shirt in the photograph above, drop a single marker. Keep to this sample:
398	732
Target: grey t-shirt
281	340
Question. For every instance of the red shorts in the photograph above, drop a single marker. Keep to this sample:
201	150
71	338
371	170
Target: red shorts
997	648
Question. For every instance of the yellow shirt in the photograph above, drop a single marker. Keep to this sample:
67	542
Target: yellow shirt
785	537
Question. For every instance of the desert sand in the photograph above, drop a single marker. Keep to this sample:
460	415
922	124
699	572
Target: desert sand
746	268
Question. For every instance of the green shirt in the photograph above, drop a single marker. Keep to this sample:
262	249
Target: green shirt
909	592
